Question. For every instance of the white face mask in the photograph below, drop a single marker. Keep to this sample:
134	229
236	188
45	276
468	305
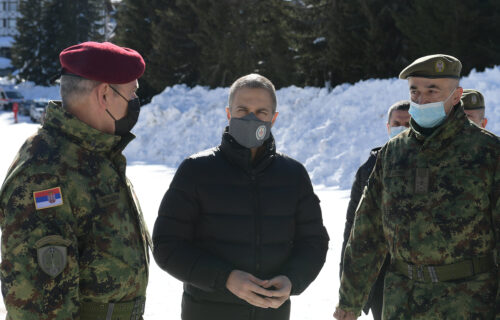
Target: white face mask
429	115
394	131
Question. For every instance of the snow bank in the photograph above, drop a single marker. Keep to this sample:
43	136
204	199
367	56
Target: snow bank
330	132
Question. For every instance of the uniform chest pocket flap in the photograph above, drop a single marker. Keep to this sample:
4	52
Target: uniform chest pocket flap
109	199
393	173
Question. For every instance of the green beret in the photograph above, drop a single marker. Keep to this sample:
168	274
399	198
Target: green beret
472	99
434	66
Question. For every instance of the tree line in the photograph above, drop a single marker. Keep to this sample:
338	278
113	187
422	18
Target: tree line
292	42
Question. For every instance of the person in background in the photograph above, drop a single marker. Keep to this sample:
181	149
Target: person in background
474	107
398	120
15	109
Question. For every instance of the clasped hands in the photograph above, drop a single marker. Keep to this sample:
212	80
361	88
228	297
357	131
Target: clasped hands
270	293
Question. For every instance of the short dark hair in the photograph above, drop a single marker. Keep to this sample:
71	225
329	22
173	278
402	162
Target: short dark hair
403	105
253	81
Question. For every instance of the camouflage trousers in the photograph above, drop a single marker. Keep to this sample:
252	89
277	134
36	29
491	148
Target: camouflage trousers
471	298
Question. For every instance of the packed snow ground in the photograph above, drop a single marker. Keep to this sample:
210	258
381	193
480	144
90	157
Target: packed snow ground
330	132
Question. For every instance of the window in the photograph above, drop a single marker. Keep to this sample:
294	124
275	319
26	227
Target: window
12	6
4	23
11	23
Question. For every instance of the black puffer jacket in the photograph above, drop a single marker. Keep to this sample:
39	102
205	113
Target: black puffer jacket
223	212
358	186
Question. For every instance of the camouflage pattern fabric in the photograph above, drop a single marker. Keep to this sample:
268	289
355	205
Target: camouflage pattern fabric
472	298
95	236
429	201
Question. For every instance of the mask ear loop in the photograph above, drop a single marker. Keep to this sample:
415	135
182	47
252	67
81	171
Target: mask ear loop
110	114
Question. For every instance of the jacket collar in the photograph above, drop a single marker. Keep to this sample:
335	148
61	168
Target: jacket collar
241	156
61	121
454	123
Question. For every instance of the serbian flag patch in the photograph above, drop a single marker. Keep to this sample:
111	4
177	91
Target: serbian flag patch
48	198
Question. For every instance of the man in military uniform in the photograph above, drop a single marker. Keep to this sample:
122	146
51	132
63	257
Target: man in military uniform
432	203
398	120
473	104
74	244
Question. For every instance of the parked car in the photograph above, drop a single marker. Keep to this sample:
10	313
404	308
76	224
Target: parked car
9	96
37	110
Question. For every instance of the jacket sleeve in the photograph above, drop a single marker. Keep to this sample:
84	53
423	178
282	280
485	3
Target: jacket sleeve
39	269
356	192
311	239
366	248
175	250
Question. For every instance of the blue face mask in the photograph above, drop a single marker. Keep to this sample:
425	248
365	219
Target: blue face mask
394	131
429	115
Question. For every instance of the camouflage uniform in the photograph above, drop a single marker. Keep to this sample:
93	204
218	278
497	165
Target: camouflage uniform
98	227
430	201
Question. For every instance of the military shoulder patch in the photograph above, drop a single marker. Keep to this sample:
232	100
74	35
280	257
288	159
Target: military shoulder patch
52	254
52	259
48	198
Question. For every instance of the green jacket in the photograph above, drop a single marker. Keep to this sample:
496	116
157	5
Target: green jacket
87	241
429	201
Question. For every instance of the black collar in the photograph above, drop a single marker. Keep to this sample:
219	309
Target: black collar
242	157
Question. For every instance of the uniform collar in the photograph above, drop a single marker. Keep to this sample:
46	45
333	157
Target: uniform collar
453	124
59	120
241	156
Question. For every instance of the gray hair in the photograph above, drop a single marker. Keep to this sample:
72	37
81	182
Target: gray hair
73	87
403	105
253	81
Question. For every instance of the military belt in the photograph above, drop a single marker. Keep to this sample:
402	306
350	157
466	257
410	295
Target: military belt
131	310
447	272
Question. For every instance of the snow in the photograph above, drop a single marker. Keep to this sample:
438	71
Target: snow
331	132
6	42
5	63
30	91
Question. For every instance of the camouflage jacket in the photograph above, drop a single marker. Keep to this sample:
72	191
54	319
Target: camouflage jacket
429	201
72	229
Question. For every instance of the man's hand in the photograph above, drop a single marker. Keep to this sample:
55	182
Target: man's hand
247	287
281	293
340	314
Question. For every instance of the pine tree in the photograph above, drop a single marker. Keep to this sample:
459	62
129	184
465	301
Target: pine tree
135	19
463	29
174	57
309	40
28	42
49	26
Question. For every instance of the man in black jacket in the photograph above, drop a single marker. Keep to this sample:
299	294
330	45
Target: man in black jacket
398	120
240	224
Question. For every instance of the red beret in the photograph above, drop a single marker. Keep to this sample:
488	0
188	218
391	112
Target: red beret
105	62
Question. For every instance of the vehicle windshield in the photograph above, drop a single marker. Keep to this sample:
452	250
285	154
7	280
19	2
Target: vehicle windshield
40	104
13	95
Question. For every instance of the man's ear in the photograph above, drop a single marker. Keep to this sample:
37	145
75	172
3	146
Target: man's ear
102	92
457	95
484	122
274	118
228	113
388	128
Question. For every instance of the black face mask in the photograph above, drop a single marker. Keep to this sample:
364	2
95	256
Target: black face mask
125	124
